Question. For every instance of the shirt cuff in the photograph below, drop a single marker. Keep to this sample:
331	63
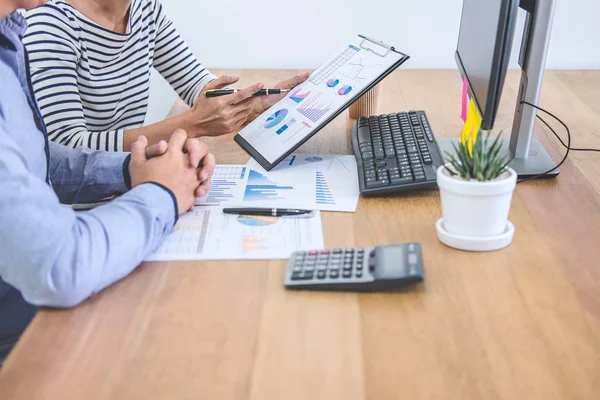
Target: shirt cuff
166	189
126	175
157	199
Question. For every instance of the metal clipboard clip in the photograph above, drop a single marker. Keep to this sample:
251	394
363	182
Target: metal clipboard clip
382	45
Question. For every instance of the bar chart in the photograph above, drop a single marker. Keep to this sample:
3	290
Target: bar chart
314	108
261	188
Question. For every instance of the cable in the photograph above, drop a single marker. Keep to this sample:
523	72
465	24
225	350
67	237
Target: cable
568	145
560	140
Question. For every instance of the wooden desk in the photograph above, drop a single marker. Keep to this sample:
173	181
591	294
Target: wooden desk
521	323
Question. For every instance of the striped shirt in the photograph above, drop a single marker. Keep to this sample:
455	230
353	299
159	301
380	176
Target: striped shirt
92	83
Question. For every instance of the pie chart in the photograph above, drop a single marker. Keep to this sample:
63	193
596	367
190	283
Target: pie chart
313	159
275	118
344	90
333	82
256	220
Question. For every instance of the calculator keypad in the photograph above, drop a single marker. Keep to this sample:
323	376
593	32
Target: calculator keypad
328	264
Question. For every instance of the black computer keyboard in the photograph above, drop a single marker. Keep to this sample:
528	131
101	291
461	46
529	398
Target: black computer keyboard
395	153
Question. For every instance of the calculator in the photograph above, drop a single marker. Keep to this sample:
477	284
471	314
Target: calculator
356	269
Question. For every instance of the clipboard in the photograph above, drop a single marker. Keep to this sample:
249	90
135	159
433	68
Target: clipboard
273	126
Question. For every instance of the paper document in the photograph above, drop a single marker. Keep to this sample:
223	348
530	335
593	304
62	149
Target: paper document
308	181
330	87
208	234
228	184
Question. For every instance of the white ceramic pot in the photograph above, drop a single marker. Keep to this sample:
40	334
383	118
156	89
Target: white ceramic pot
475	209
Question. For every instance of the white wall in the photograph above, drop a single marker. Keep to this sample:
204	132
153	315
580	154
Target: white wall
301	34
286	34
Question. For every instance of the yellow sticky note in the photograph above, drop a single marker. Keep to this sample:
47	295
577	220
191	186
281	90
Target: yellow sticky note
472	125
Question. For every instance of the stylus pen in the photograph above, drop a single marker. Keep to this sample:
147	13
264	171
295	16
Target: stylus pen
261	92
271	212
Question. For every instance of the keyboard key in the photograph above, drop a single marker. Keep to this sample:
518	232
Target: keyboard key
376	184
401	180
419	177
368	155
364	136
411	149
378	152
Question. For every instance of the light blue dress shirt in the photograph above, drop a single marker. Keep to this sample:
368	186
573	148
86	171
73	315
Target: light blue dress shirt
51	255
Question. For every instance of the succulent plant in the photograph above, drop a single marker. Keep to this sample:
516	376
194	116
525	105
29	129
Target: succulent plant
475	158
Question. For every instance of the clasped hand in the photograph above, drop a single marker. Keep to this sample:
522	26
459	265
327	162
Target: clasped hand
183	165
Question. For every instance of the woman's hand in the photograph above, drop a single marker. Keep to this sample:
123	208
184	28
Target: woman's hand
267	101
224	114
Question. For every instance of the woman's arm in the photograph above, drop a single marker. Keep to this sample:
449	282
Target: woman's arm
53	56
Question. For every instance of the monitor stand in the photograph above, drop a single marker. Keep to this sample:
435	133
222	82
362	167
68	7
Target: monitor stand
530	157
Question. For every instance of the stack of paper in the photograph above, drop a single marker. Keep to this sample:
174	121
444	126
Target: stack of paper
315	182
208	234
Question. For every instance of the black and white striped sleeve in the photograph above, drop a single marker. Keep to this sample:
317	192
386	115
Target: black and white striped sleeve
53	52
175	62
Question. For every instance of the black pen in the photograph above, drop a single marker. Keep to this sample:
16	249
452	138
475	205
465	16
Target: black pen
271	212
261	92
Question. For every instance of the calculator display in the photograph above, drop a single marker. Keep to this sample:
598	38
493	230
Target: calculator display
390	262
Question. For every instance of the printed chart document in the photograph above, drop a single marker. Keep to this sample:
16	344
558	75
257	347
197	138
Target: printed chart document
208	234
308	181
228	185
328	91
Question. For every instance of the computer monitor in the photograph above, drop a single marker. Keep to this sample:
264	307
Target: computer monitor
485	41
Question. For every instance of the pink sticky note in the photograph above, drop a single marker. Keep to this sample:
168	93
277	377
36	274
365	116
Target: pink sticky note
465	100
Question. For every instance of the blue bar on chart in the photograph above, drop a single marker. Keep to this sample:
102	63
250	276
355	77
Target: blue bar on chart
323	193
259	188
284	127
225	180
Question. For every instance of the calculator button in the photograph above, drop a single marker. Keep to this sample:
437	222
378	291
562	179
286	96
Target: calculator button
334	274
313	253
337	251
321	274
325	252
308	275
309	268
359	274
296	276
347	274
297	268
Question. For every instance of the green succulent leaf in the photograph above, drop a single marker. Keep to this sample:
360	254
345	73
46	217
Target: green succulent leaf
483	163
